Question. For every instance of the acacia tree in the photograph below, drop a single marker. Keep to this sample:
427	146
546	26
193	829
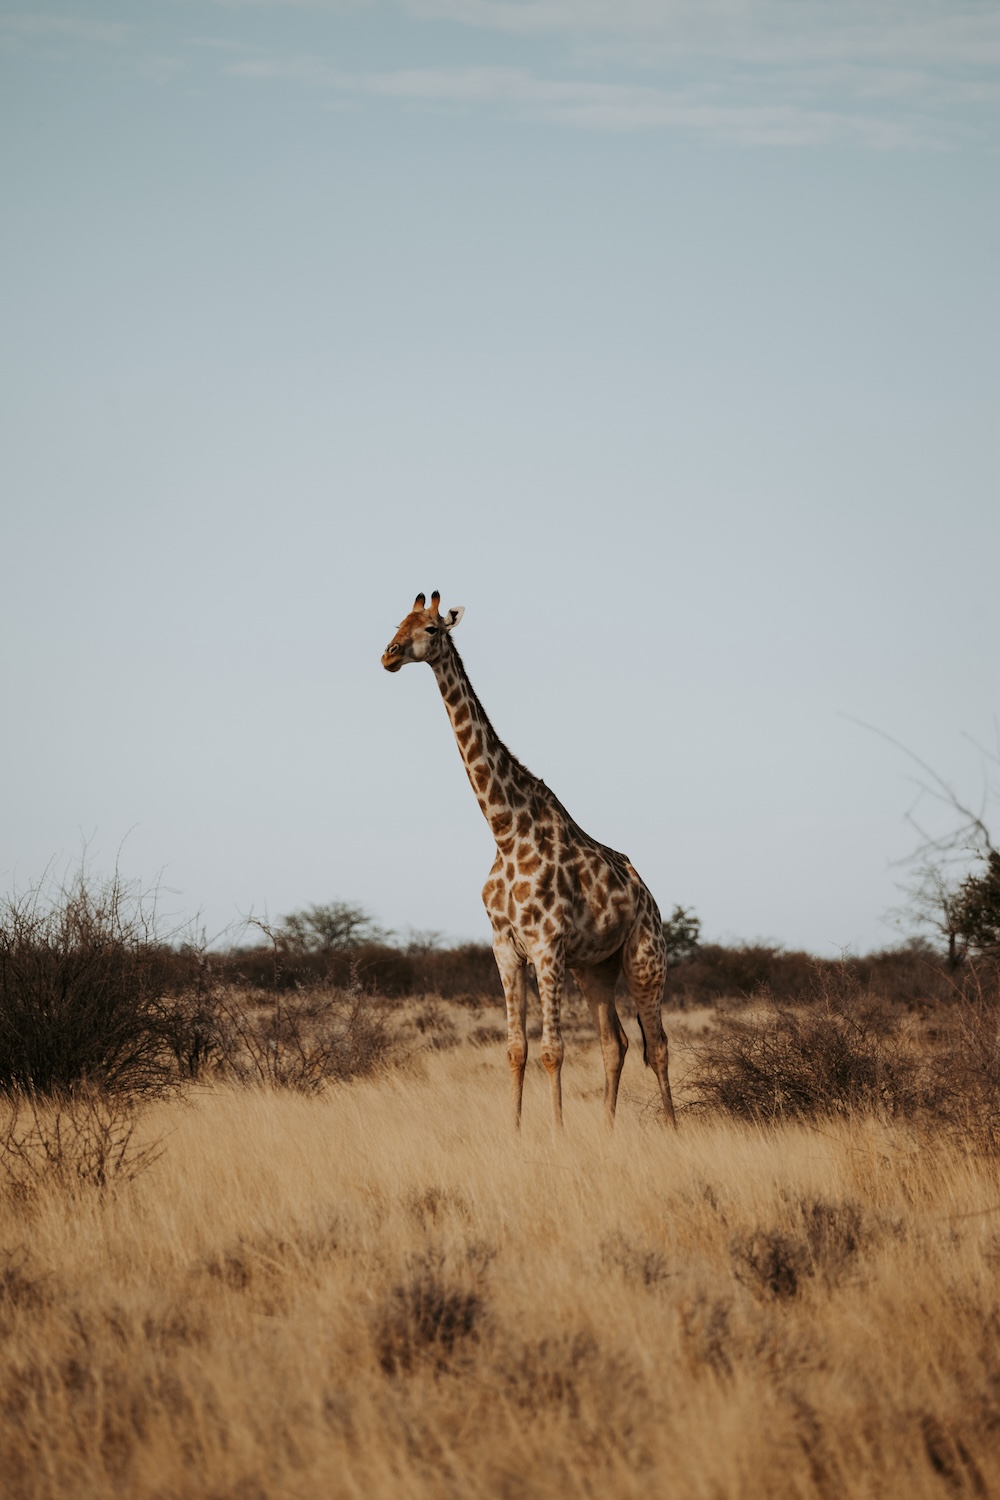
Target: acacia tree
331	928
682	934
976	907
963	909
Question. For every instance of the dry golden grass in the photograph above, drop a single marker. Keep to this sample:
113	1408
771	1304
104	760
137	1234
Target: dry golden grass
378	1291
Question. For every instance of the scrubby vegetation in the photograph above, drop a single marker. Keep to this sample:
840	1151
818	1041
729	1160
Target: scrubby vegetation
843	1048
84	986
93	1000
375	1290
264	1230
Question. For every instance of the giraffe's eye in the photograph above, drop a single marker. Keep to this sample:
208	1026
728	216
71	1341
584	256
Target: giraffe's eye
432	630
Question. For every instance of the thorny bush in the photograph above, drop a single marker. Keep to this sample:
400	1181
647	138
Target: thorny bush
841	1054
301	1042
85	987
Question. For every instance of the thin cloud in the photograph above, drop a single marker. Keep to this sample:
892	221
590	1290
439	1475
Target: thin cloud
623	107
881	74
306	70
48	28
752	31
588	105
220	44
938	33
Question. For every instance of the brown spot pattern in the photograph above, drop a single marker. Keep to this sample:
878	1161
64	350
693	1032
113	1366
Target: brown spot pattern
555	895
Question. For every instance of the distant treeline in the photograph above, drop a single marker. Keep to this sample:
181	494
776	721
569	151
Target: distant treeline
712	972
91	995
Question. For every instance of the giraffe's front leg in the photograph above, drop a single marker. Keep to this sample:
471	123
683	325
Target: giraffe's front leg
514	976
550	973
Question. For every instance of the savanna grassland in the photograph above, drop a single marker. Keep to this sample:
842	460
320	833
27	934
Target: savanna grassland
373	1288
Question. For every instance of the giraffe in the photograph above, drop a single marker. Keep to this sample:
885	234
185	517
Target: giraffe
555	897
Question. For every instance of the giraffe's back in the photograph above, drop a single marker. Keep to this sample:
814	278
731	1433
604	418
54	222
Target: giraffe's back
563	889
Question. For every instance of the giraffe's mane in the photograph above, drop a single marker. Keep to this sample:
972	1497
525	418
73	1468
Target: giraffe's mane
517	766
528	780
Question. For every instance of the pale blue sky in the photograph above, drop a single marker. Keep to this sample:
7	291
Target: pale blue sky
663	337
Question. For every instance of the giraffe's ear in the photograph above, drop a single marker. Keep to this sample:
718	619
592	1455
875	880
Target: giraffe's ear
452	616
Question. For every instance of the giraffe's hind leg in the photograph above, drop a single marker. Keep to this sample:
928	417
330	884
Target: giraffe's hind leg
644	959
598	986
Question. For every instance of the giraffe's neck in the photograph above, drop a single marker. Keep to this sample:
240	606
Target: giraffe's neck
503	787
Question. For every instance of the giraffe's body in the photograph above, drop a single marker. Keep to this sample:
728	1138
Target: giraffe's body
555	897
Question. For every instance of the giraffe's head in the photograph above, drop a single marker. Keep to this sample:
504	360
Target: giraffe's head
421	635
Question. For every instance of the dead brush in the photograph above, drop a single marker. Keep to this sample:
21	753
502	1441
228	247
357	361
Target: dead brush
434	1026
84	982
73	1142
823	1241
639	1263
964	1065
428	1315
841	1052
302	1041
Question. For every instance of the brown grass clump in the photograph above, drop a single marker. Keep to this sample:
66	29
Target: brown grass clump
376	1290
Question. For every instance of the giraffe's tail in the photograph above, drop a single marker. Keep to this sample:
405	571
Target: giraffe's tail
645	1044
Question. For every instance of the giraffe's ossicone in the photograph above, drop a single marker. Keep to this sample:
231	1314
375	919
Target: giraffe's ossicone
556	898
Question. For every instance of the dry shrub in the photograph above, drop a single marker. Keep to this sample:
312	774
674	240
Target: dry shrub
824	1242
487	1035
638	1263
71	1142
467	973
842	1054
846	1050
434	1204
948	1455
84	982
434	1026
550	1372
301	1042
190	1028
910	976
429	1315
281	969
706	1332
965	1067
594	1404
716	972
